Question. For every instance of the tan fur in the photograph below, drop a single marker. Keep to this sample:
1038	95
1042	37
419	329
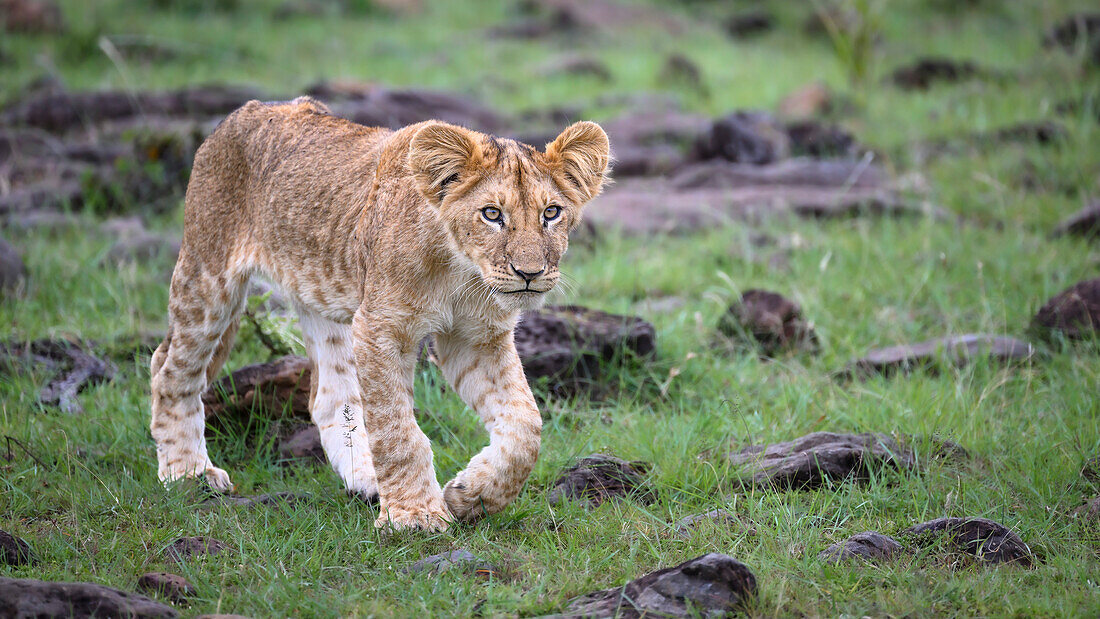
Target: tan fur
380	238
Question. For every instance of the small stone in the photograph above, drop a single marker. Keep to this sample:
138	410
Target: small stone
15	551
750	23
597	478
189	547
305	444
1073	313
460	558
712	585
769	320
985	539
921	74
957	350
172	586
869	545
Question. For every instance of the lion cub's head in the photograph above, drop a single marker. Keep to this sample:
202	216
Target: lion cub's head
508	207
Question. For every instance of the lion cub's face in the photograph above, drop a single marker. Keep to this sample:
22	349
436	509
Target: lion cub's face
509	208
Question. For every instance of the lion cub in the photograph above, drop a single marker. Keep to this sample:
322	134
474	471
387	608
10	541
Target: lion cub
382	238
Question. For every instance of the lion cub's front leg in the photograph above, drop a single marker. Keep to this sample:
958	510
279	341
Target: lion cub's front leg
408	493
486	373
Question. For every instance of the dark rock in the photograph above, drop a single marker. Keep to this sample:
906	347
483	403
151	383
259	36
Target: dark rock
289	499
769	320
31	16
14	551
568	345
1077	32
744	137
814	139
579	66
682	73
75	368
1084	223
172	586
687	525
955	350
810	461
58	110
597	478
13	273
1074	312
985	539
711	585
921	74
461	559
305	444
281	385
869	545
1090	511
750	23
36	598
186	548
1038	132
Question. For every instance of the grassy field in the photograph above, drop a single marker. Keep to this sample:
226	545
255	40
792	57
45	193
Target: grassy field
92	508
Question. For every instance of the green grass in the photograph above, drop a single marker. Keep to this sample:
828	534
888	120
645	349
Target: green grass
94	510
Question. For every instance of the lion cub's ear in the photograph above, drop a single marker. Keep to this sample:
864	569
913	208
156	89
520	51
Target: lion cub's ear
439	157
583	152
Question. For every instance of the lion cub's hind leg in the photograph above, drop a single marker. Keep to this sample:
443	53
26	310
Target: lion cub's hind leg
203	313
335	403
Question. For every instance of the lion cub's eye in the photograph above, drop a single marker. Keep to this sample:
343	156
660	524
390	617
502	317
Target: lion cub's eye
492	213
551	213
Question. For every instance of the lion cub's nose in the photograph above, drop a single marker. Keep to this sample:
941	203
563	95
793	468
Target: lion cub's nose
528	276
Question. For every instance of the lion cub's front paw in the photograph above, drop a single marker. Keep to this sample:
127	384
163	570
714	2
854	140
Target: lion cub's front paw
466	502
431	516
216	478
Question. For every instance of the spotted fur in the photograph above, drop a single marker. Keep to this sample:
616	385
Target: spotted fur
382	238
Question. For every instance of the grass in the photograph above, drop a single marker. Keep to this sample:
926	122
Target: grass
94	510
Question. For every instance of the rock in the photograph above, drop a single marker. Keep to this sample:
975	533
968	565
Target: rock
15	551
305	444
869	546
31	16
375	106
769	320
1090	511
142	247
1084	223
186	548
652	142
13	273
810	138
1080	31
955	350
682	73
791	175
59	110
1038	132
597	478
1074	312
985	539
461	558
578	65
712	585
807	102
36	598
281	385
569	345
749	23
75	368
921	74
810	461
172	586
744	137
289	499
686	526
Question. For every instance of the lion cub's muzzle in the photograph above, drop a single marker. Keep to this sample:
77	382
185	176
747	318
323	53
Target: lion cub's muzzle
529	280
